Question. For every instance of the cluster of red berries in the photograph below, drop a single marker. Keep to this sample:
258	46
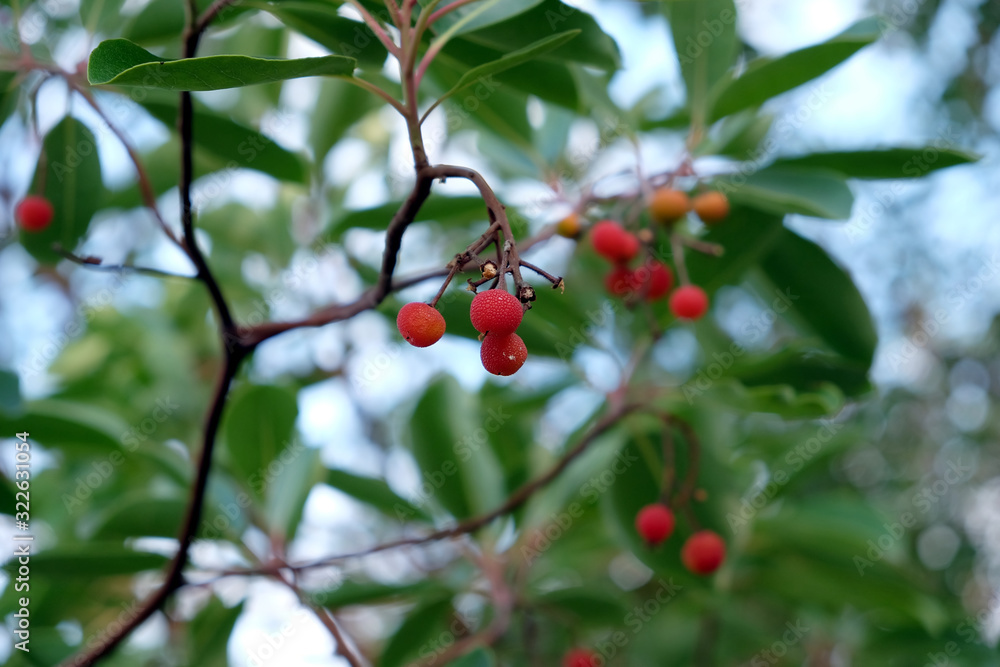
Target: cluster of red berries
702	553
495	314
653	279
34	213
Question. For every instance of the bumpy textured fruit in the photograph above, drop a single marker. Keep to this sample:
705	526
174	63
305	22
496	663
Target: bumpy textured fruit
613	242
420	324
503	354
620	281
703	552
655	523
569	226
34	213
667	205
496	311
689	302
579	657
711	207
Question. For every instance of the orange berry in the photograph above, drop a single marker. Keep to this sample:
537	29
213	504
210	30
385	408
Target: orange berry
667	205
420	324
711	207
569	226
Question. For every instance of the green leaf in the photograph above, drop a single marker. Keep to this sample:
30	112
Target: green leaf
813	192
374	492
585	606
704	33
593	46
209	633
258	427
784	400
481	657
289	480
94	559
500	11
341	105
367	592
322	24
443	210
449	444
75	428
766	78
69	176
509	60
805	368
893	163
823	296
120	62
160	21
235	144
426	622
141	516
747	236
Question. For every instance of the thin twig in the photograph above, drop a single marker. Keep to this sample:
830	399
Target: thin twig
95	264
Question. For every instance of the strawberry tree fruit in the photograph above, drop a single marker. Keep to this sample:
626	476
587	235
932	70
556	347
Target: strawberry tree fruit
420	324
689	302
703	552
620	281
667	205
658	282
655	523
34	213
711	207
503	354
613	242
569	226
496	311
580	657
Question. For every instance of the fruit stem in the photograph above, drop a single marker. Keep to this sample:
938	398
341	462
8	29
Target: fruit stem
669	465
677	245
556	282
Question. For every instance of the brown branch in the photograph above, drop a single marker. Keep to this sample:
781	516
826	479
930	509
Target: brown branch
96	264
515	501
342	647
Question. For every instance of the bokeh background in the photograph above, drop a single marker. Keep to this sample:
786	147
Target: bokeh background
924	253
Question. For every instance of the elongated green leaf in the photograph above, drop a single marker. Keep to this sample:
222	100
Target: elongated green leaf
69	176
120	62
823	295
593	46
141	516
444	210
509	60
235	144
162	21
258	428
94	559
766	78
424	623
500	11
704	33
814	192
76	429
374	492
289	479
586	606
10	392
449	443
913	162
368	592
321	23
209	633
805	368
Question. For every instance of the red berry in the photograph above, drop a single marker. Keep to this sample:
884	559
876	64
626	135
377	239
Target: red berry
655	278
620	281
655	523
703	552
612	242
496	311
420	324
579	657
503	354
34	213
689	302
